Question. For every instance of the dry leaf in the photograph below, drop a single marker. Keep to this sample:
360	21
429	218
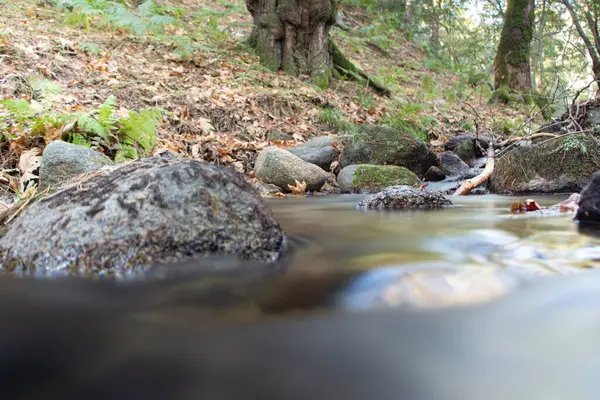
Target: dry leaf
29	162
279	194
205	125
299	188
531	205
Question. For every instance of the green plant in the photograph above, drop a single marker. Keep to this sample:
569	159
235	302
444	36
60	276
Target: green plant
334	120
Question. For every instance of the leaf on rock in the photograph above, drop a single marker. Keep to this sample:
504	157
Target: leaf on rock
299	188
29	162
532	205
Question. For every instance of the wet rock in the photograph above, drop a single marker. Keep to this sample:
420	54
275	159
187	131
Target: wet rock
62	161
150	211
404	197
366	178
318	151
267	189
589	201
382	145
434	174
452	165
467	147
282	168
561	165
331	186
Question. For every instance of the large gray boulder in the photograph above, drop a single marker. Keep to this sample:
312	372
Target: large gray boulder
149	211
366	178
318	151
282	168
404	198
561	165
62	161
379	145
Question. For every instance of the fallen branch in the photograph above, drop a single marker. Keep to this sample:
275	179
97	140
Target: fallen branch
472	183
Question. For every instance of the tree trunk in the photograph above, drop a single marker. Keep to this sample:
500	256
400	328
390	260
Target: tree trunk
292	35
512	65
435	29
408	13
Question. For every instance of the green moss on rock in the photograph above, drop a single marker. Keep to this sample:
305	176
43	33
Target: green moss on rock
554	166
379	176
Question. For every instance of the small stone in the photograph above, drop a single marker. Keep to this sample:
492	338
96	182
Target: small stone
434	174
282	168
452	165
403	198
62	161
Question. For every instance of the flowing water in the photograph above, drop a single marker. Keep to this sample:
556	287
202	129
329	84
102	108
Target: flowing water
471	253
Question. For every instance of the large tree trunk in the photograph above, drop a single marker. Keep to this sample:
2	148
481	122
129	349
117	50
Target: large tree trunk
512	66
292	35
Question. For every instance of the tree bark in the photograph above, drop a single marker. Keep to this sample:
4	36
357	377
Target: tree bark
292	35
512	67
593	48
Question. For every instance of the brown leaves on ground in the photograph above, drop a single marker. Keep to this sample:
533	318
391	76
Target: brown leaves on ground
28	162
298	188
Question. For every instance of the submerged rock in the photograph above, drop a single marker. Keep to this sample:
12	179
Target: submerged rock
150	211
404	197
452	165
62	161
434	174
318	151
379	145
560	165
282	168
589	201
467	147
366	178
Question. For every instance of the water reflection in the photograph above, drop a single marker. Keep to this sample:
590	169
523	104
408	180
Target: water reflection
474	252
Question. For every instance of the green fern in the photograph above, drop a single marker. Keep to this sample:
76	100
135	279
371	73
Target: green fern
141	127
126	153
77	138
106	112
89	125
42	87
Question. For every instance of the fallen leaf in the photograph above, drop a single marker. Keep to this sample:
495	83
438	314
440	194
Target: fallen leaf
299	188
205	125
531	205
518	206
29	162
279	194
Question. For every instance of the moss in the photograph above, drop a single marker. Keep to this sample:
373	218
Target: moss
465	150
515	41
383	176
566	163
502	95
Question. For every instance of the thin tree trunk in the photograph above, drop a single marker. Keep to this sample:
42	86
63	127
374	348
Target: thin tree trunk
408	13
512	63
435	29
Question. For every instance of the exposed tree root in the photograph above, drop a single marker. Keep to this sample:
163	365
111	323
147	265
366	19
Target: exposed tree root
344	67
471	184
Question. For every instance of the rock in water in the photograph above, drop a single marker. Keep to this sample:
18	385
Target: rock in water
282	168
149	211
379	145
434	174
63	161
404	197
589	201
562	165
452	165
366	178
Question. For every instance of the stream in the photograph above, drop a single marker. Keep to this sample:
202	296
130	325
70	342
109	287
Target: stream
471	253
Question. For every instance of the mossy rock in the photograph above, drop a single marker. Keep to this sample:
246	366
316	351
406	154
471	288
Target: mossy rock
368	178
382	145
465	150
554	166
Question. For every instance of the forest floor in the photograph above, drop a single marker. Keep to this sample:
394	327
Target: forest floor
223	107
